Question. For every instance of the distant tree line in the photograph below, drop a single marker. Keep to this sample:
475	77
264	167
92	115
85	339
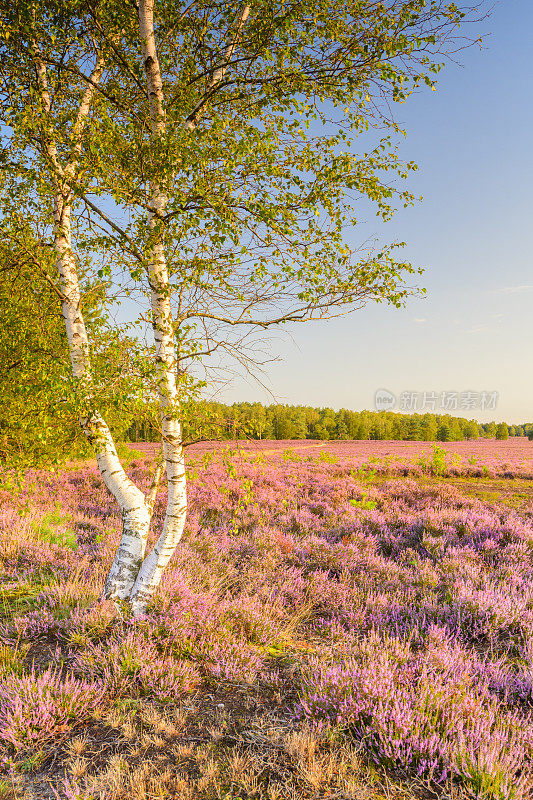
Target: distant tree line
256	421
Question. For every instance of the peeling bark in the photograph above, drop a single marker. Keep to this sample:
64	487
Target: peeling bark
154	564
152	568
135	513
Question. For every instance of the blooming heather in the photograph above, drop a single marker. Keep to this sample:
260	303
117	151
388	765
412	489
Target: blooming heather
133	663
36	707
392	607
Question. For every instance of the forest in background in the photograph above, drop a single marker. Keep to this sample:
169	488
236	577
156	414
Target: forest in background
278	421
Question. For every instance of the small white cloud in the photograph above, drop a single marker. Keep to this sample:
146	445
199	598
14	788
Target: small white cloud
420	319
482	327
526	287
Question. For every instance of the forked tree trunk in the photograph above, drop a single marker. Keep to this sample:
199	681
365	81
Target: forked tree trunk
131	501
132	576
136	513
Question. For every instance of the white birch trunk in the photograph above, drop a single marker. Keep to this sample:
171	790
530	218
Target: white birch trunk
131	501
154	564
152	568
135	512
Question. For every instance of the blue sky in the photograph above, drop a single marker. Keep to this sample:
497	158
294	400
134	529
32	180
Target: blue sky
472	140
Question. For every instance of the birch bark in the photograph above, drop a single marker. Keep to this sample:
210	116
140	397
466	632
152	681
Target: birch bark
135	512
154	564
165	346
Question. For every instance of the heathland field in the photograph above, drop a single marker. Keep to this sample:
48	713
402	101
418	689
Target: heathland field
341	620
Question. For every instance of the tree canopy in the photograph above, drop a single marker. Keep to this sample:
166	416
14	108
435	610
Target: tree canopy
256	150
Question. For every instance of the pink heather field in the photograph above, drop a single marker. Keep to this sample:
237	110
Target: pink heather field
514	456
341	620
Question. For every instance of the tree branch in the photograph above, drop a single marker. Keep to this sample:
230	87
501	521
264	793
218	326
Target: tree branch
194	117
133	249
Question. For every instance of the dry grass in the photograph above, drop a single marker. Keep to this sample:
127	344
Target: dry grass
246	750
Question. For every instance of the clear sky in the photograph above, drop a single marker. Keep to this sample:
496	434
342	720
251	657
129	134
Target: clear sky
473	231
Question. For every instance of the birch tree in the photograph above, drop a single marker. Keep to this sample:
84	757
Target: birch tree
211	149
